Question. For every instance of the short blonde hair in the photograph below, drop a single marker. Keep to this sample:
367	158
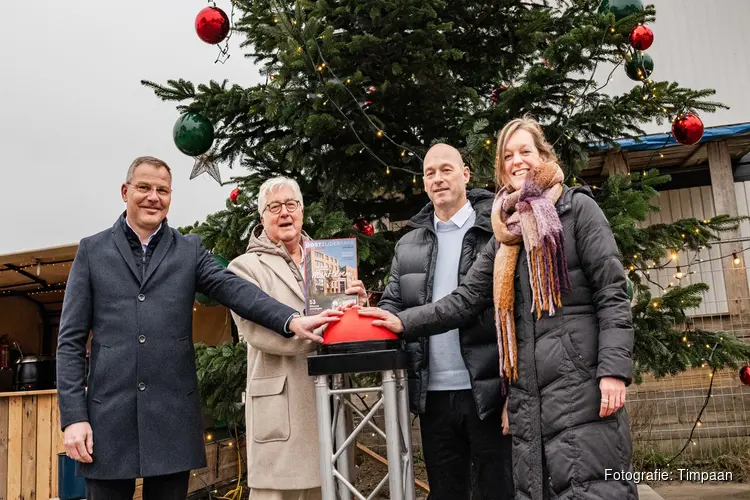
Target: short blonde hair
273	184
530	125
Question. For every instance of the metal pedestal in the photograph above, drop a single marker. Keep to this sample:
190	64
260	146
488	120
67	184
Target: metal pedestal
331	401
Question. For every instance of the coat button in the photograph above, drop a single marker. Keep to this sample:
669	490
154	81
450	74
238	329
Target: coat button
142	339
141	297
142	386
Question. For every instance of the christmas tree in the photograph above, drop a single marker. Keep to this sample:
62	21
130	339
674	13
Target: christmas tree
357	91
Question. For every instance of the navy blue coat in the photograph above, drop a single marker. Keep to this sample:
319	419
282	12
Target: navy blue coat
142	399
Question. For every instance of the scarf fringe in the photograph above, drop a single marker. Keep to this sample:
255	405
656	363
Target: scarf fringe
528	218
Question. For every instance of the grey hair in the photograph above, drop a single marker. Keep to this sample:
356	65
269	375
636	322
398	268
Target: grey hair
150	160
275	183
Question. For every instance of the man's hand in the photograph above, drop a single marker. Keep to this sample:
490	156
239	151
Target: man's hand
304	326
506	425
78	439
613	395
358	288
384	318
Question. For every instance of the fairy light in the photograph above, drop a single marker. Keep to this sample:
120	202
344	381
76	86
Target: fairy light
678	275
736	259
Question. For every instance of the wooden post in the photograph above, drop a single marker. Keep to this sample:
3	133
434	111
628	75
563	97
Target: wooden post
615	163
725	202
3	448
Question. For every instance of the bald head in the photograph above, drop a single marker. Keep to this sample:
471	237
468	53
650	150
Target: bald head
445	179
443	153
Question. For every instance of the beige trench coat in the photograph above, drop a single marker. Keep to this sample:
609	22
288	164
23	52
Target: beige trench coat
282	435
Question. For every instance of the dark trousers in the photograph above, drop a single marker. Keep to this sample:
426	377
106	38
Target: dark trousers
466	458
169	487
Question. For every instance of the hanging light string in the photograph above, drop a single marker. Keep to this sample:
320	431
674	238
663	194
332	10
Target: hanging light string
696	260
698	421
356	101
224	54
316	68
582	96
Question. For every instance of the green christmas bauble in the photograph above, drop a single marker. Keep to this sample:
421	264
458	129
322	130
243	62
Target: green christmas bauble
639	67
629	287
621	8
205	300
193	134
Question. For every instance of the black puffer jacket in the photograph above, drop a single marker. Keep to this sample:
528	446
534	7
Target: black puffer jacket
410	285
561	447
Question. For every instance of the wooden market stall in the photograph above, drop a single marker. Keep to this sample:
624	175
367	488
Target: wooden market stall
32	290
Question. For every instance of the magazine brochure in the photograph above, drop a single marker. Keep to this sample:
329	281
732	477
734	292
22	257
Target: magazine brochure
330	268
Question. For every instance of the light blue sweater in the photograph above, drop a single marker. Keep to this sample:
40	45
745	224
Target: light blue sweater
447	371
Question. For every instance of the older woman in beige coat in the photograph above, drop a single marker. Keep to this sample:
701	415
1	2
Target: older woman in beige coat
282	433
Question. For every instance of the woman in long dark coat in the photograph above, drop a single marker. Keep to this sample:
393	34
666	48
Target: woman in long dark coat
564	326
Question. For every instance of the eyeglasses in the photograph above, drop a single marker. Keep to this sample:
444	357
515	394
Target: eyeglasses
275	208
144	188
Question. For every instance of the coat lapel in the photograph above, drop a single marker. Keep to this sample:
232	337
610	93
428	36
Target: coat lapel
160	252
283	272
121	241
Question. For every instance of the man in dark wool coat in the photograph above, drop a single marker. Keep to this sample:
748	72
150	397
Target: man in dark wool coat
133	286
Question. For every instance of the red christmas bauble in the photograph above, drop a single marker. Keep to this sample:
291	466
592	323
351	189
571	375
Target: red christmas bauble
641	37
745	375
687	129
364	227
234	194
212	25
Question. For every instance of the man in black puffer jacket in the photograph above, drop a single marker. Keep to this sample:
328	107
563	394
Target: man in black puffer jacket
454	380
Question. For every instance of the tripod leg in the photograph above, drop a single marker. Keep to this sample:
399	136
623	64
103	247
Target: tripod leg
325	437
393	436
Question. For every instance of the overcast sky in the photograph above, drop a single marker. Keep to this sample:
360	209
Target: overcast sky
74	114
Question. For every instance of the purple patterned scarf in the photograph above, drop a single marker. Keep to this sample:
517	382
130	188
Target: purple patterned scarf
528	216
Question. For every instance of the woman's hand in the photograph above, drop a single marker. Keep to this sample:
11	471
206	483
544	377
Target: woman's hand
358	288
613	395
506	425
